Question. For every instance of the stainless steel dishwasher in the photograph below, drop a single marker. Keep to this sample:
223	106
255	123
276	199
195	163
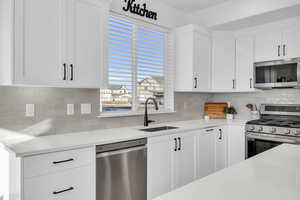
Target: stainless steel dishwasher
121	172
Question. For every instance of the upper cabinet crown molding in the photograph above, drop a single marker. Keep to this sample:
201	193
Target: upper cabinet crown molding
56	43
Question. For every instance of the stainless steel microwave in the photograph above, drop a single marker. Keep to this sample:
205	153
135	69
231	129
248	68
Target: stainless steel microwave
277	74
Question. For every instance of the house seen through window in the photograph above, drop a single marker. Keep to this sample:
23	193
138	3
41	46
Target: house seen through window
137	67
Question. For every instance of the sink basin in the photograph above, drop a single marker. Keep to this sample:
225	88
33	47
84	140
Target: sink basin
161	128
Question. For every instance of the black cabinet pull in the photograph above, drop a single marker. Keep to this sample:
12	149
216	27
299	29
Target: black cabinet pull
62	191
175	144
221	134
284	47
65	72
179	139
210	130
251	82
72	72
63	161
278	50
233	83
196	82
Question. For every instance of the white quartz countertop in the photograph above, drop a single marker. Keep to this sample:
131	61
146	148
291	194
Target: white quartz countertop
24	145
272	175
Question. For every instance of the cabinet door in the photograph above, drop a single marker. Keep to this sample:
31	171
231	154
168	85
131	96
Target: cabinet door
159	166
184	161
202	62
268	46
244	63
221	149
236	144
39	28
291	41
86	31
206	151
223	68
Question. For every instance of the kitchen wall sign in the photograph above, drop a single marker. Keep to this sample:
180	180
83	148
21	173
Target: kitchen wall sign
139	9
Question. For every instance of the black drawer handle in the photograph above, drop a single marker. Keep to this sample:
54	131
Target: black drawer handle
62	191
72	72
63	161
65	72
210	130
179	139
175	149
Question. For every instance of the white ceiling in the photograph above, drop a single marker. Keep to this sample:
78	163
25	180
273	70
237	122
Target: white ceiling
191	5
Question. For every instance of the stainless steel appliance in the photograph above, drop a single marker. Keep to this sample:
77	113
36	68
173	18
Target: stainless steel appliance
121	172
278	124
277	74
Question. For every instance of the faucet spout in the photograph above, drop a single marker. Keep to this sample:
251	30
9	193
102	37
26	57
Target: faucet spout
146	119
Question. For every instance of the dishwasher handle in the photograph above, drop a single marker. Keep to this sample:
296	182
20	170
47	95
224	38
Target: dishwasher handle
111	153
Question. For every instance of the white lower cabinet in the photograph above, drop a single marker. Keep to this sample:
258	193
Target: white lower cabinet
159	166
183	159
66	175
221	148
236	144
206	151
75	184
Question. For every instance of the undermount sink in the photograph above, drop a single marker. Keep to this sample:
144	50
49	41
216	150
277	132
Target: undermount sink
161	128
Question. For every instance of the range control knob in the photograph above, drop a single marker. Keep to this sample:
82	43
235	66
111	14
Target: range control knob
251	128
297	133
260	129
273	130
288	131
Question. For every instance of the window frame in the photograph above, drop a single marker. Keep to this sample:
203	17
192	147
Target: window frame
169	70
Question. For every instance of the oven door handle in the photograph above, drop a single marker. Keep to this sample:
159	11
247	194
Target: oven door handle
275	139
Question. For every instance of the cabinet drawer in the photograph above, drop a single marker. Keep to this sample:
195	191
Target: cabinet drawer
54	162
74	184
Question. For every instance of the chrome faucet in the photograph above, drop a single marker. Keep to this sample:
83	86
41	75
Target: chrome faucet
146	120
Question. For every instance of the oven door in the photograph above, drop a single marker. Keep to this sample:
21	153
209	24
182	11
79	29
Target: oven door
256	144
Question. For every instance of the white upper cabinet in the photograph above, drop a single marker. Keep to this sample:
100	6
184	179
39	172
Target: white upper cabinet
244	63
277	43
223	63
291	41
58	43
268	46
193	59
86	41
39	45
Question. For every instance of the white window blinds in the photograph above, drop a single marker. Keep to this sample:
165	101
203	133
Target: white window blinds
138	66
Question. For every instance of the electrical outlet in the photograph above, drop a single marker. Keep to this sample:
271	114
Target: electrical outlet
30	111
70	109
86	109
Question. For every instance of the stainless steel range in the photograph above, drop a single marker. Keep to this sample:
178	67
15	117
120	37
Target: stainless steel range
278	124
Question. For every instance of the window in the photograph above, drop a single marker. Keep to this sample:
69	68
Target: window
138	67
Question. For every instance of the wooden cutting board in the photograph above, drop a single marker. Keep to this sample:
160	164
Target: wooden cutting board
215	110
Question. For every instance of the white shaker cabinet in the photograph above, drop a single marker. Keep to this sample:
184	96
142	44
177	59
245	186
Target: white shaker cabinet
159	166
184	159
193	59
244	63
268	46
236	144
291	41
206	152
221	148
57	43
223	62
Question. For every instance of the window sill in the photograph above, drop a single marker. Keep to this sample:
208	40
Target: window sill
112	115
